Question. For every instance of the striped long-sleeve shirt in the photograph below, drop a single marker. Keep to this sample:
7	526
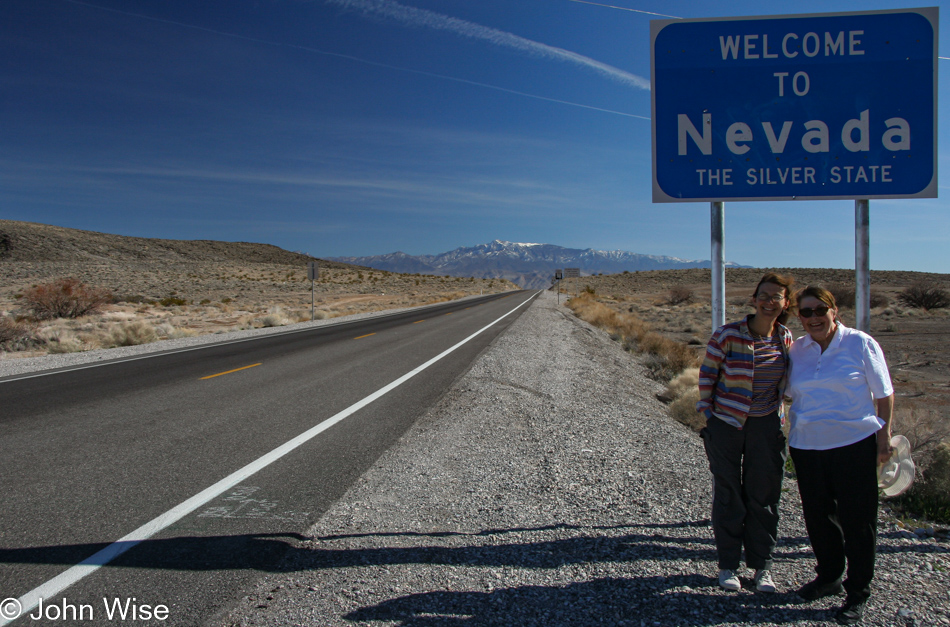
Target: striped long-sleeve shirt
727	373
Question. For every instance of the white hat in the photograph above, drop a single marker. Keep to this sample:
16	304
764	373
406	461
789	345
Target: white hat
897	475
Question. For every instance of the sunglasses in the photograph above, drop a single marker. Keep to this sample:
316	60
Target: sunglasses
808	312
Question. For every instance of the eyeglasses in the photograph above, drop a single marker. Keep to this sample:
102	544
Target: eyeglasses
808	312
762	297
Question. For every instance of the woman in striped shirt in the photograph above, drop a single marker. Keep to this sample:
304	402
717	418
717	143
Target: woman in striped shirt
741	385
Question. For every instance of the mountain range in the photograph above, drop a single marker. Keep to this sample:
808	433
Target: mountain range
529	265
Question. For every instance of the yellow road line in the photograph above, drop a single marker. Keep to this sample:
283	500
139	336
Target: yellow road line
228	372
362	336
418	321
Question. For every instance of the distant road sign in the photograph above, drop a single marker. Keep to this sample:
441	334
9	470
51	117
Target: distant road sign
836	105
572	273
313	270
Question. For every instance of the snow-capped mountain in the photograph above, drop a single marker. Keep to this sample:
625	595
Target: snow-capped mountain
529	265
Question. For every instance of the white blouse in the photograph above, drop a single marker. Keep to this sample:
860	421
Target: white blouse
833	393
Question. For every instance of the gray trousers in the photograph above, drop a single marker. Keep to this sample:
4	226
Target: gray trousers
747	466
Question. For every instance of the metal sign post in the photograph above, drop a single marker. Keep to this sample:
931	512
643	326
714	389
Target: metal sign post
313	273
796	107
862	265
717	230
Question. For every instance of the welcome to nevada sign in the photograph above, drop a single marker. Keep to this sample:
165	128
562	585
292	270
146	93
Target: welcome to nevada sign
836	105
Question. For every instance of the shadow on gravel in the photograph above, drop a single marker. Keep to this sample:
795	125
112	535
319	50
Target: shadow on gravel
494	532
609	601
289	552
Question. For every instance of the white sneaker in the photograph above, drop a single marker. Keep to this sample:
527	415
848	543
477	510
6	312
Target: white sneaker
763	581
729	580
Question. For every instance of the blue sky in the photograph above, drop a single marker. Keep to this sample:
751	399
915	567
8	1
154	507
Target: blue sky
360	127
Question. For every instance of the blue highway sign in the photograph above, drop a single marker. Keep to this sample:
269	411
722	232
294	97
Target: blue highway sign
795	107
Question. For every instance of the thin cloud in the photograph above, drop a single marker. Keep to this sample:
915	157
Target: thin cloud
422	18
376	63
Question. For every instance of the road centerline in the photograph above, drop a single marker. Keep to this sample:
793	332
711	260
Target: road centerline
211	376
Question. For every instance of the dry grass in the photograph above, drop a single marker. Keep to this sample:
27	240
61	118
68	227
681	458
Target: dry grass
683	394
664	357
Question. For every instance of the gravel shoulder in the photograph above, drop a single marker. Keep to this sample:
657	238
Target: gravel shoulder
549	487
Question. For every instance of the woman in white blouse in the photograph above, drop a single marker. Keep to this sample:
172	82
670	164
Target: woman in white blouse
842	402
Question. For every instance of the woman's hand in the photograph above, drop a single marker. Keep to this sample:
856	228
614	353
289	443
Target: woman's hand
884	448
885	409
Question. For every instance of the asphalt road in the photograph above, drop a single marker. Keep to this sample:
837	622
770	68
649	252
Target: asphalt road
89	455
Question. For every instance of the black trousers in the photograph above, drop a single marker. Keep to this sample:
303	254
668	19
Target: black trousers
747	466
839	500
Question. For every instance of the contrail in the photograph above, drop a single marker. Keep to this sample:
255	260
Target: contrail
412	16
610	6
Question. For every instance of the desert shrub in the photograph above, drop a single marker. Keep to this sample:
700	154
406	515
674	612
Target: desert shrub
132	333
845	297
15	335
929	434
64	298
589	290
172	301
924	428
134	299
683	410
681	384
930	495
679	296
665	357
11	330
924	295
275	318
879	299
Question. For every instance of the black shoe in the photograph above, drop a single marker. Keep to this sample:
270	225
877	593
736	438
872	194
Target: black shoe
851	612
814	590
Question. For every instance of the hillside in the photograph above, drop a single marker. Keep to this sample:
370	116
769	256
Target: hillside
190	287
37	243
194	270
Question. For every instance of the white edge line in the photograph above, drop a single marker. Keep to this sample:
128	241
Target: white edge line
57	584
158	353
